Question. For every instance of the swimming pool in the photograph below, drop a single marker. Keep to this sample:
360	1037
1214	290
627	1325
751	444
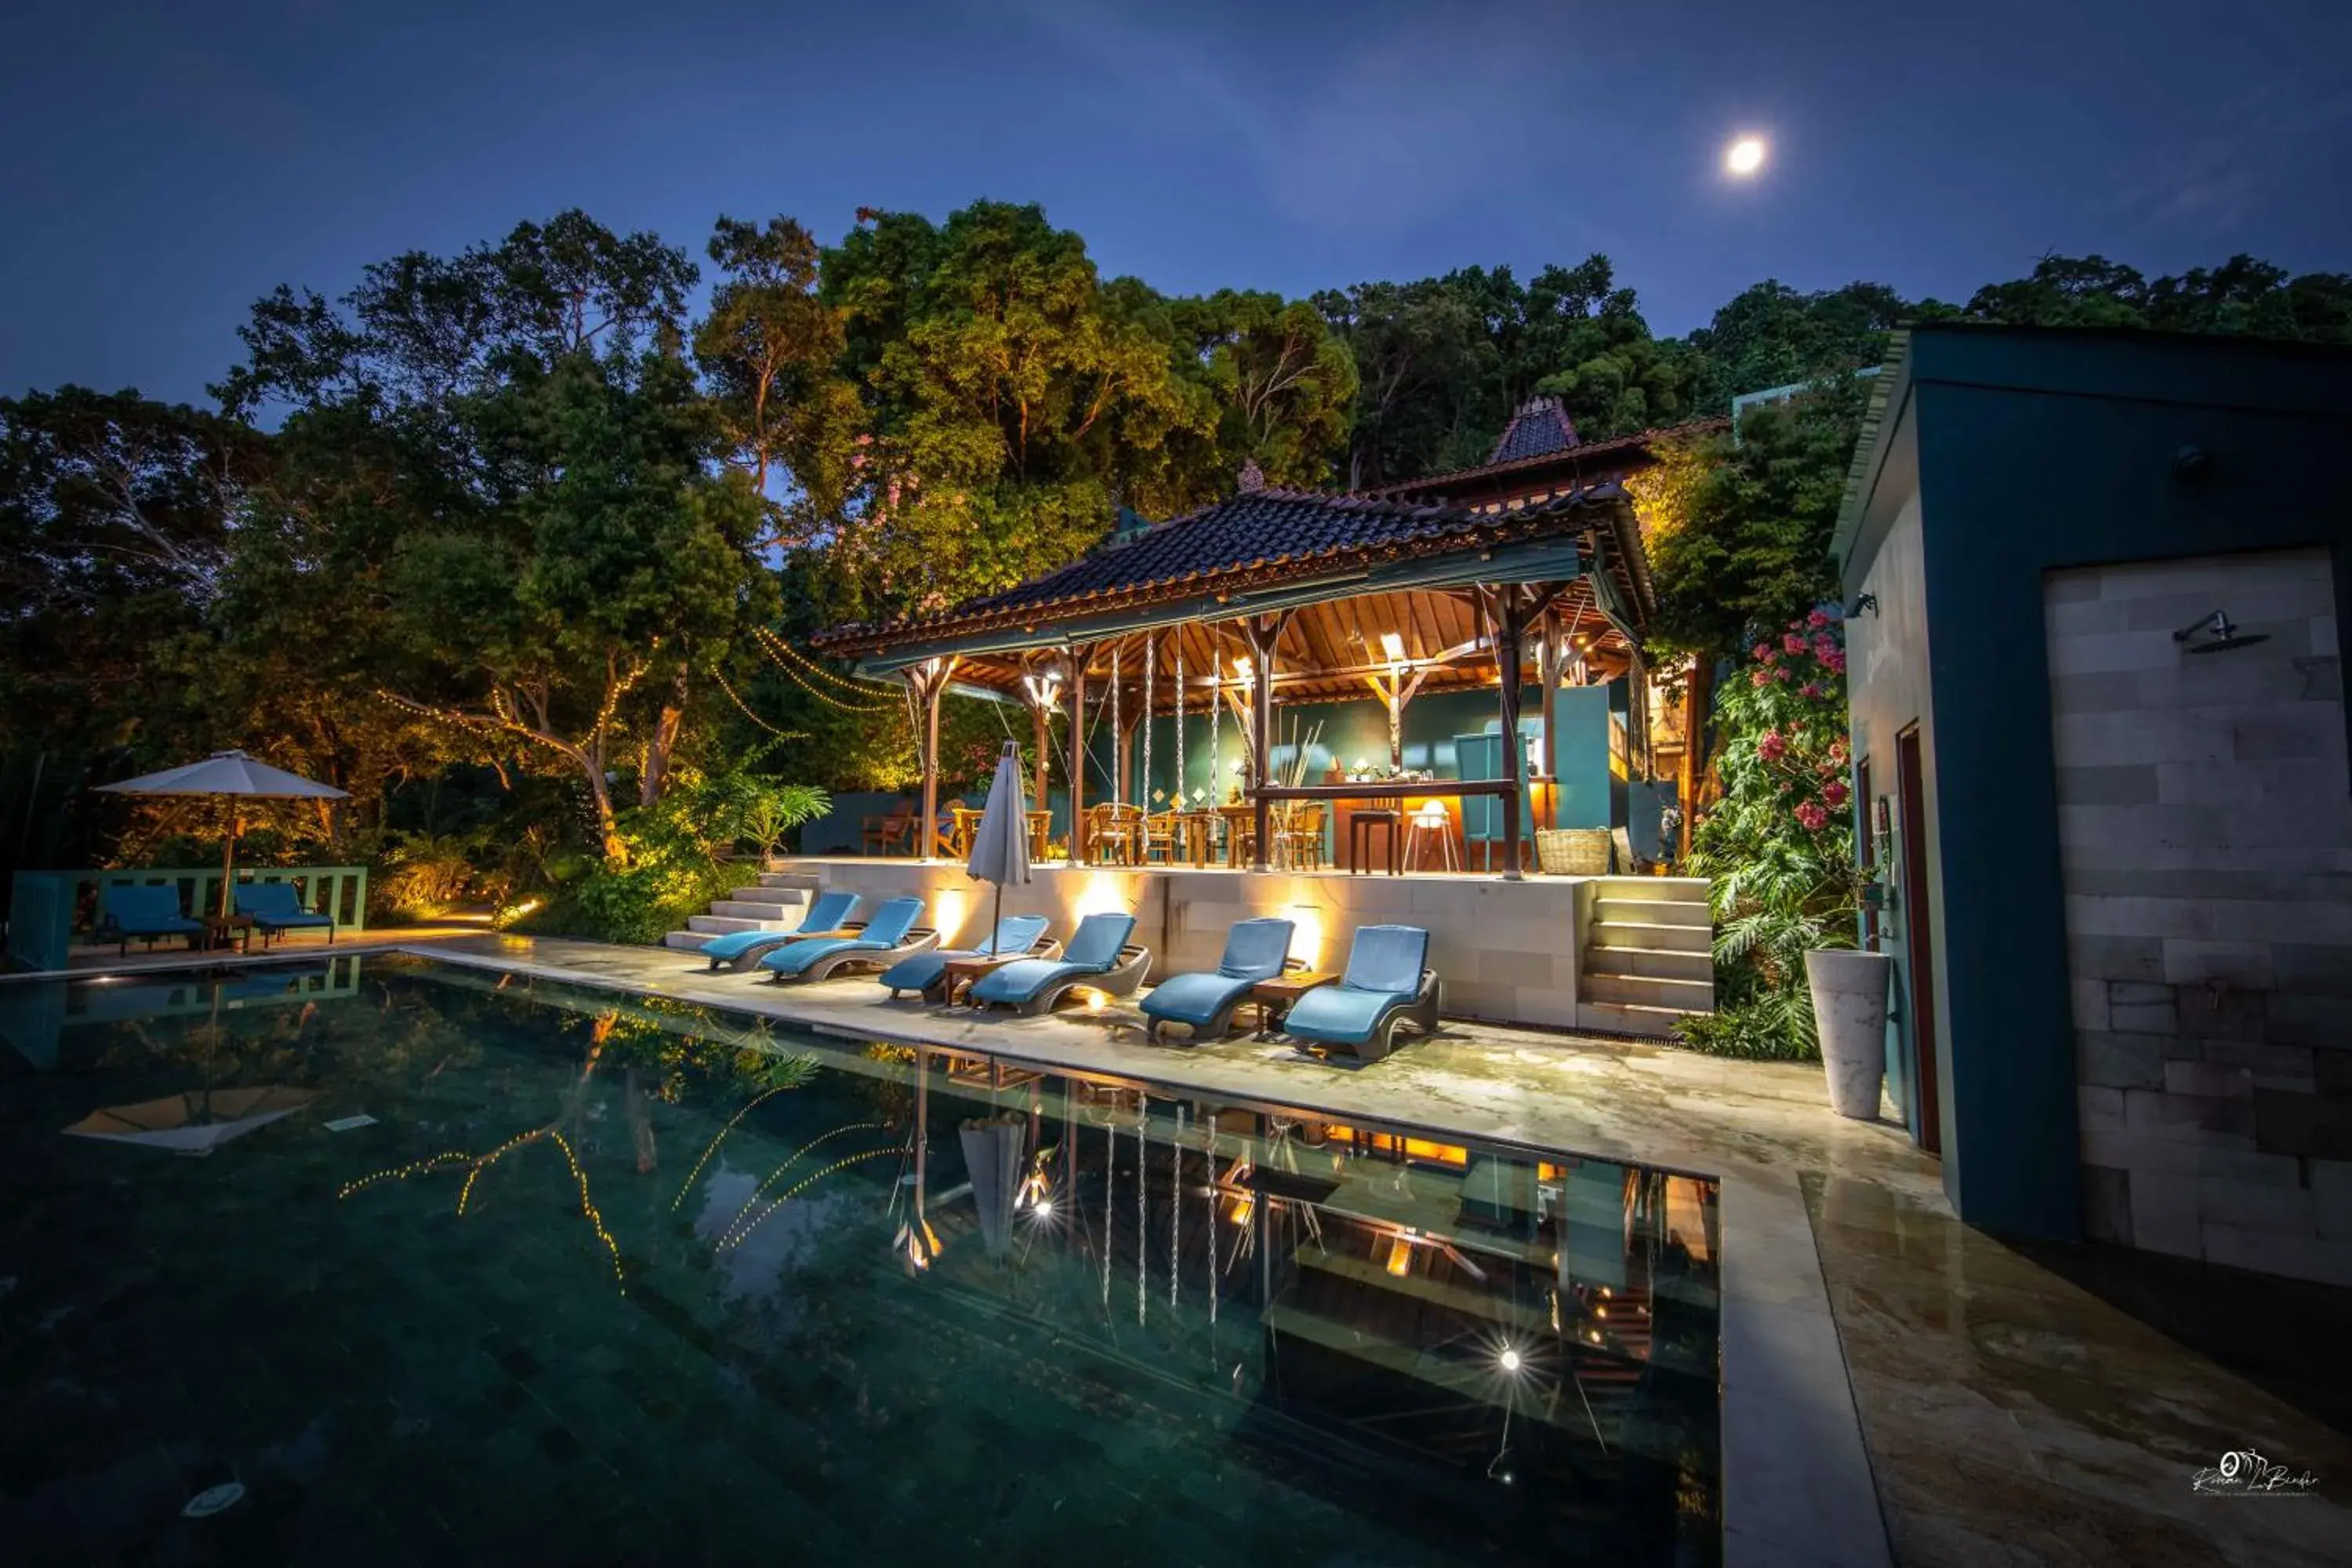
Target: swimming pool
478	1270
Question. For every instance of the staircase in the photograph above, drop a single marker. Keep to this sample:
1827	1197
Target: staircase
1647	956
776	902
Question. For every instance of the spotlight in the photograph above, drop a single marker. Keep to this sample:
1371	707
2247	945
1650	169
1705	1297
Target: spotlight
1042	1208
1511	1359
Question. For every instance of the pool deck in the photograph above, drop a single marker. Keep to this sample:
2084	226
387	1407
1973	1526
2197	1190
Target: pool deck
1899	1386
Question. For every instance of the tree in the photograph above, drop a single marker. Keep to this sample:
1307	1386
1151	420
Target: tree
115	516
501	492
2243	296
1282	382
1421	355
1745	542
769	350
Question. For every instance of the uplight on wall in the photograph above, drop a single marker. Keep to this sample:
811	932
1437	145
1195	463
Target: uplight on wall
1393	646
952	904
1306	940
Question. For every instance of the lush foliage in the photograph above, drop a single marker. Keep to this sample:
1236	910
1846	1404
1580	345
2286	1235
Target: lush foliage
1778	843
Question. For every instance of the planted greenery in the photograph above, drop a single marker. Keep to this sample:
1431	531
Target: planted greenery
1776	844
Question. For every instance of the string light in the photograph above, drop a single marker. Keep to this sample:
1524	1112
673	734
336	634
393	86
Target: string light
588	1207
859	684
795	666
731	1242
745	709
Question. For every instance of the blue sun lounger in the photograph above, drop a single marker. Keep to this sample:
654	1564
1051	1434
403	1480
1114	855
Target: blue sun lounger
1099	959
1254	951
742	949
276	909
149	912
889	936
1387	982
928	972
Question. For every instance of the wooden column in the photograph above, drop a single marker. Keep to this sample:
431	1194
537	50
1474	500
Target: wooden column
1694	763
1079	654
1509	610
1548	672
1396	691
1038	694
1263	632
929	679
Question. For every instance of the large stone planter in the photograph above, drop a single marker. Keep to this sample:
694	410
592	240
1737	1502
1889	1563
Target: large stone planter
1850	1007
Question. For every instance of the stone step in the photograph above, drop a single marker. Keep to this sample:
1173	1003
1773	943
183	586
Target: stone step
779	898
1661	964
781	917
719	925
1648	991
804	881
1609	911
1658	938
1654	890
686	941
1629	1018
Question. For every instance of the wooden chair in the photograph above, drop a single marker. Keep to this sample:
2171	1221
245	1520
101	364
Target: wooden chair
883	835
966	820
1164	835
1114	833
1298	837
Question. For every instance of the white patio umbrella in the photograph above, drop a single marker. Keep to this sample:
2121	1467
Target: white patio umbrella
999	848
228	773
193	1123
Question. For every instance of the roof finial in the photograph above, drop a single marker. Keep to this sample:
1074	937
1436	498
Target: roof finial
1251	480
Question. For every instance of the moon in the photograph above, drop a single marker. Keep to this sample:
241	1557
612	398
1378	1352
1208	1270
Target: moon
1744	156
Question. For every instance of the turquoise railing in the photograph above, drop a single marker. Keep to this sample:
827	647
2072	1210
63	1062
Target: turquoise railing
47	910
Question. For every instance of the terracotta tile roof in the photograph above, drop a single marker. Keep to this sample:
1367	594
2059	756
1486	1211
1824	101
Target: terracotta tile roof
1253	538
1439	484
1539	428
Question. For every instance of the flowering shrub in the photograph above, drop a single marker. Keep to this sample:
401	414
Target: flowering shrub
1777	843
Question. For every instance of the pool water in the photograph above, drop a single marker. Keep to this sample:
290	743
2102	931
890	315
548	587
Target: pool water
582	1279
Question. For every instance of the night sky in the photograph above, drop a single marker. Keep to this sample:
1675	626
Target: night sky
169	162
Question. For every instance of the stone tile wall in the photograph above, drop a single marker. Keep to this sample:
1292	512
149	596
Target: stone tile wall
2206	830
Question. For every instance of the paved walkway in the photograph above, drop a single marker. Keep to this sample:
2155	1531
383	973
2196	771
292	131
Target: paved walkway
2006	1412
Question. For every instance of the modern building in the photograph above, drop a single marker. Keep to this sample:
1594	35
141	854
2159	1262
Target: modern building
2096	585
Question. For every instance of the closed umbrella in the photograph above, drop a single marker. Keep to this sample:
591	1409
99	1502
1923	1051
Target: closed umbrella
1000	849
194	1123
228	773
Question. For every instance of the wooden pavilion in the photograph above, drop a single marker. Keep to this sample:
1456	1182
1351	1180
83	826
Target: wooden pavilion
1276	598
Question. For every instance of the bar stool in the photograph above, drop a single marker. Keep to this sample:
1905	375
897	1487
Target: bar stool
1360	824
1432	821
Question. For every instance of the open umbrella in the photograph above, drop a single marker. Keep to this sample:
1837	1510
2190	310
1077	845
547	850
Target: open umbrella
228	773
1000	849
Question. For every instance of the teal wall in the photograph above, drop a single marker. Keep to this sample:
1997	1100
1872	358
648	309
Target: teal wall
2012	453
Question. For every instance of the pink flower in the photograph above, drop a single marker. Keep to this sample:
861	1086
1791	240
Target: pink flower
1811	813
1764	652
1810	688
1816	620
1825	646
1758	677
1793	643
1835	660
1772	747
1835	792
1781	673
1837	749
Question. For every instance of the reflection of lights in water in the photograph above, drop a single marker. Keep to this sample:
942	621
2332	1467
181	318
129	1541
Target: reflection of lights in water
402	1172
466	1193
1042	1208
737	1237
710	1148
1401	1255
1508	1360
588	1207
793	1159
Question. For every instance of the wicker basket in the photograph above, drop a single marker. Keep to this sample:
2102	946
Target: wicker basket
1573	851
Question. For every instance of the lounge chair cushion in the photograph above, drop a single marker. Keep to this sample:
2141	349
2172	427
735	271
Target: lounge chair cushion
1093	948
888	929
1254	951
148	910
1385	967
827	913
277	905
1015	933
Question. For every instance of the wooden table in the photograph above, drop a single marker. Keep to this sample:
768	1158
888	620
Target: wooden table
1360	824
1275	998
1200	831
962	972
1239	819
221	929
